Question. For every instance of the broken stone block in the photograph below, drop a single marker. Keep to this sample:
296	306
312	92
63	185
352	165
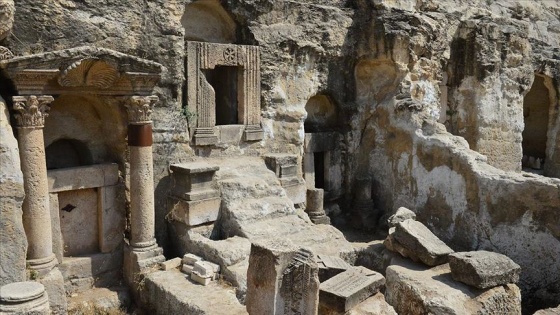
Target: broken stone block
415	289
330	266
200	279
170	264
401	215
421	243
375	305
190	259
204	269
482	269
549	311
349	288
187	269
281	279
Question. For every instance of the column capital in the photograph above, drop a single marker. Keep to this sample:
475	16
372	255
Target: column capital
32	110
139	109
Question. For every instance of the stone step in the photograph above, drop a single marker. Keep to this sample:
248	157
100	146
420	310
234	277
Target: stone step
152	262
259	209
321	239
99	301
171	292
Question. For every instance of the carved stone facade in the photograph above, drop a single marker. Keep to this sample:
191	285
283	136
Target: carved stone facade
298	285
201	95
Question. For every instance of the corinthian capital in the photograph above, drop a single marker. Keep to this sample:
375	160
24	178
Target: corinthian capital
139	109
31	111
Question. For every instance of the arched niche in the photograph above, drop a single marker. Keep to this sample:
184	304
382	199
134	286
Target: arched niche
207	21
89	127
64	153
540	117
322	154
321	114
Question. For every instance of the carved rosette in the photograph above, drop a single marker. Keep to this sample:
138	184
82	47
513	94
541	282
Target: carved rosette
5	53
31	111
139	109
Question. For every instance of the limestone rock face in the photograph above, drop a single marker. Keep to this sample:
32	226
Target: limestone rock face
7	11
12	234
483	269
414	289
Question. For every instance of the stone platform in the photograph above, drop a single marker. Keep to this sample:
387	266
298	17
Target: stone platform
171	292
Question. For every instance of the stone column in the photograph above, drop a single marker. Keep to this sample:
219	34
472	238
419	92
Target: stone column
142	216
30	115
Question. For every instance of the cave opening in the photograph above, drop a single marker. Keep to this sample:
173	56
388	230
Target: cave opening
536	116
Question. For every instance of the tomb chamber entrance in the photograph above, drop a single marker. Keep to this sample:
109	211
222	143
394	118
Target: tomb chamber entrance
322	156
76	109
537	119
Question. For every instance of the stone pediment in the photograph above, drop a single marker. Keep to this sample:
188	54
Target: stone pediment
82	70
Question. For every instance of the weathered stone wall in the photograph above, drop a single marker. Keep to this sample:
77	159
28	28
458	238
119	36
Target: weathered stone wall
415	162
12	234
384	65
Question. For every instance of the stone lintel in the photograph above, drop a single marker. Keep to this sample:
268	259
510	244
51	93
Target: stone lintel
83	177
347	289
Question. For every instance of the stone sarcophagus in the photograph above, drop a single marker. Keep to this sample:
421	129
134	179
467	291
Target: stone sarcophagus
223	88
286	166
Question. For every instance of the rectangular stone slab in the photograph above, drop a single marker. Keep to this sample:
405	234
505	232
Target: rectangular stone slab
421	243
347	289
483	269
330	266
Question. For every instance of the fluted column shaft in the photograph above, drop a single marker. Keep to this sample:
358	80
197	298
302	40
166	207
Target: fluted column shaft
30	114
142	213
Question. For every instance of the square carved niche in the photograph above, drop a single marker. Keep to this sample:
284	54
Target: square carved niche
223	88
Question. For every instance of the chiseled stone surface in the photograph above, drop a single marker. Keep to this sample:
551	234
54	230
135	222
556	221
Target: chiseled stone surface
28	298
281	279
349	288
549	311
21	291
12	234
7	10
375	305
421	242
173	263
414	289
170	292
483	269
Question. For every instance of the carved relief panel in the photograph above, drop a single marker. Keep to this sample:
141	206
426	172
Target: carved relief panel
201	96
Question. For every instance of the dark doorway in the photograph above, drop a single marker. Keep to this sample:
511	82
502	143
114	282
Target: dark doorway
536	108
224	81
319	159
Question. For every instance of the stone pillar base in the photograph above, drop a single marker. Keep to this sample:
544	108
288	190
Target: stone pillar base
140	261
54	285
204	136
42	266
24	298
253	133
